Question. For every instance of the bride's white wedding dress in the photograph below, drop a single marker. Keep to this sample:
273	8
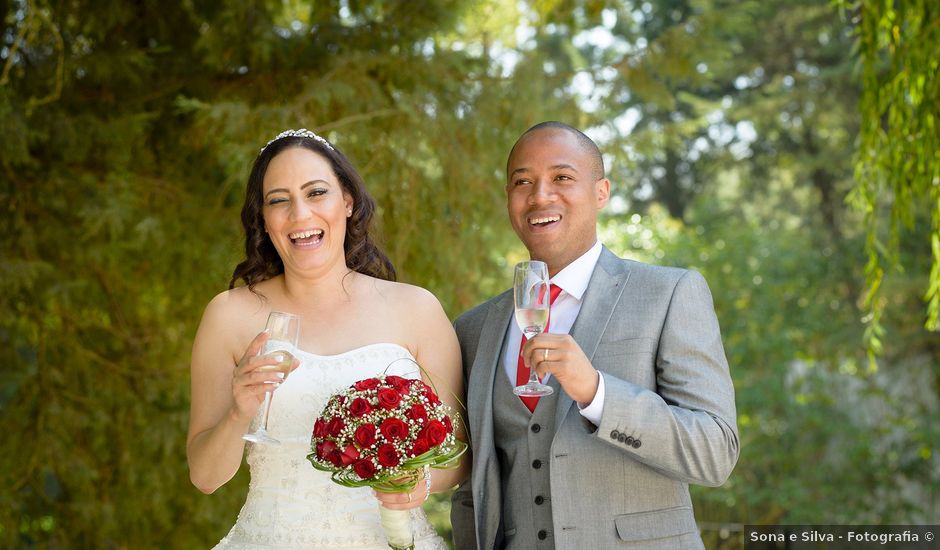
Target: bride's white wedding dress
290	504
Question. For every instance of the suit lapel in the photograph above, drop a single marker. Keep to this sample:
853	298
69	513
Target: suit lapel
598	303
485	365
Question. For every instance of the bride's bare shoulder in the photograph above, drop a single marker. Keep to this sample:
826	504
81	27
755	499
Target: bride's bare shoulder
406	295
236	300
231	319
236	307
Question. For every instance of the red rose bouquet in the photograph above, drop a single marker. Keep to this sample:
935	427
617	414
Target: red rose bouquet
380	433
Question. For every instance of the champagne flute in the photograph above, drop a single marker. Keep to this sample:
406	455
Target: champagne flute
531	297
283	333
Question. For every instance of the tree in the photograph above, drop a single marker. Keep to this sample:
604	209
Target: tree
898	162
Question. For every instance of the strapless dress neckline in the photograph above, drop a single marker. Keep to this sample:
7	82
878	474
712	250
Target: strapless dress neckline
356	350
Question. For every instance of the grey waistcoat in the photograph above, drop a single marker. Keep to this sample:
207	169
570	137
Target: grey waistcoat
523	444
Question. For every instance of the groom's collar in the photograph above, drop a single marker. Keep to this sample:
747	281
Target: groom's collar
574	278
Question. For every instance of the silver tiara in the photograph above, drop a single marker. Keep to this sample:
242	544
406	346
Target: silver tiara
303	132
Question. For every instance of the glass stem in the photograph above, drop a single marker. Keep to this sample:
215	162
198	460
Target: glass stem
533	376
267	409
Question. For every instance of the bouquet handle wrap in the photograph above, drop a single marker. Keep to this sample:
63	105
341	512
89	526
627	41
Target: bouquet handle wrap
397	525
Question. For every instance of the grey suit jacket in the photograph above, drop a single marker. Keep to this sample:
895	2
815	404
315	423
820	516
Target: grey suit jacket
653	334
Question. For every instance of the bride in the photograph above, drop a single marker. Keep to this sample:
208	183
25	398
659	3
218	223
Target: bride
309	252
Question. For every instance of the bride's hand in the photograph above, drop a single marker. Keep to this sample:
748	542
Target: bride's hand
405	500
248	384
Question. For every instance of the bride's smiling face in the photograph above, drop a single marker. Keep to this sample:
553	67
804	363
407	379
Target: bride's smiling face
305	211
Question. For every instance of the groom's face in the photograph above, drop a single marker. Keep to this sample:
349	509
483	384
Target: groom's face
553	196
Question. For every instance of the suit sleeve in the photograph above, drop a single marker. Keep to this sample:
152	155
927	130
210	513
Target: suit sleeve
461	511
686	429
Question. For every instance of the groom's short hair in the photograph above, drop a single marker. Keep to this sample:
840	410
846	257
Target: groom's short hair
586	144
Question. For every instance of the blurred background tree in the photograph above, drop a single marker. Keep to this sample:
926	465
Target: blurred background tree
733	135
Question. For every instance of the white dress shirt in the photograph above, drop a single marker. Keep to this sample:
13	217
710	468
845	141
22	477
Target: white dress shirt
573	281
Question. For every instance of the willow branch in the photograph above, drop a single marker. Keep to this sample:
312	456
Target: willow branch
56	93
5	77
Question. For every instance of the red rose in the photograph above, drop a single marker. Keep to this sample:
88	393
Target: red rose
388	456
319	428
335	425
367	384
365	435
399	383
417	413
324	448
393	428
349	455
434	433
431	396
420	447
389	398
360	407
364	469
448	424
336	458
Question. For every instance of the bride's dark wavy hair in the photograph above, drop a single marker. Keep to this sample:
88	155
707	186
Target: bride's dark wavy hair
262	261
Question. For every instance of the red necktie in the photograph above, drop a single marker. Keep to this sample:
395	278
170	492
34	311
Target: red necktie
522	373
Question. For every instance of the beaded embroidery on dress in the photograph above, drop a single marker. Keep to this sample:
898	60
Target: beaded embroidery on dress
291	505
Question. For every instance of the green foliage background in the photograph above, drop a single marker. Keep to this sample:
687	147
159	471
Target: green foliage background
734	134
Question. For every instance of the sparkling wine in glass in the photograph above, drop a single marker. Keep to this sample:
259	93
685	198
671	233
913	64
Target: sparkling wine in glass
283	333
530	290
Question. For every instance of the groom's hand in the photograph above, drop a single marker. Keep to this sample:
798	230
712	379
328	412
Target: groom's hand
561	356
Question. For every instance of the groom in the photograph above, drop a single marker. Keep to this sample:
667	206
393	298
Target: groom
643	402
